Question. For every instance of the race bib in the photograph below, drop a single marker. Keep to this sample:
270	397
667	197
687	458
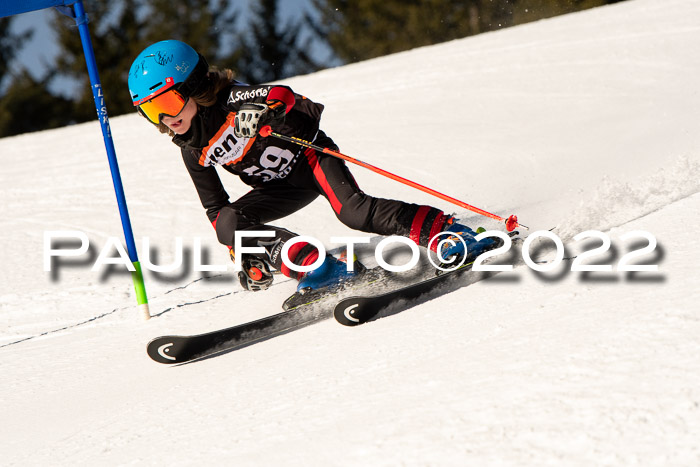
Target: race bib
224	148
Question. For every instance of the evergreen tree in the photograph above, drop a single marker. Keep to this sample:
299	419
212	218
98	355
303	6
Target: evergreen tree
203	25
27	106
10	43
7	50
272	51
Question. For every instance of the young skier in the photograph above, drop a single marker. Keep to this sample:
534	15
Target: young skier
215	119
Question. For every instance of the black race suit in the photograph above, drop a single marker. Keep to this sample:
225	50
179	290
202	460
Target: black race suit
285	177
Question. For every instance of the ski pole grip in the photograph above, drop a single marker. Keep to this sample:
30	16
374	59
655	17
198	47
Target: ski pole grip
265	131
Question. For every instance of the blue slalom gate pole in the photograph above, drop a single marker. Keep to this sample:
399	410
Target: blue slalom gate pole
75	9
137	275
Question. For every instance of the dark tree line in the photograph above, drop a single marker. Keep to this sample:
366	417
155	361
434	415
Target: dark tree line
362	29
264	44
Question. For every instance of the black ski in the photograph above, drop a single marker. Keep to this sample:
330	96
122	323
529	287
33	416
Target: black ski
180	349
352	311
301	309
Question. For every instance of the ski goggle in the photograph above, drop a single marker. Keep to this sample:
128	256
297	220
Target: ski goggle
169	103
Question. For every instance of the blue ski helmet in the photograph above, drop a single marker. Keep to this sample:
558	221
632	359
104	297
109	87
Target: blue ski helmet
166	65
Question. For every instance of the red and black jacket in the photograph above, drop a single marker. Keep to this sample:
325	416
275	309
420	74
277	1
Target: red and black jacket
211	142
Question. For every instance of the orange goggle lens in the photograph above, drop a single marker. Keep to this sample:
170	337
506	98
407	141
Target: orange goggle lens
169	103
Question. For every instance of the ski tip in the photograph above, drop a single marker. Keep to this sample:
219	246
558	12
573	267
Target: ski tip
345	312
353	311
166	349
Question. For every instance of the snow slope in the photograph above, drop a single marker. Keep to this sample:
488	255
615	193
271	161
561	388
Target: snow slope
587	121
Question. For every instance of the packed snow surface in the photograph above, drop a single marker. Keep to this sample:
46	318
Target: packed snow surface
582	122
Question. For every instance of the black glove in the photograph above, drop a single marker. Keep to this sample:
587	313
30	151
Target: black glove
251	117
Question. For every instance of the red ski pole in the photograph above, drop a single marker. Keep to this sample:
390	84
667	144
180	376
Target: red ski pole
511	222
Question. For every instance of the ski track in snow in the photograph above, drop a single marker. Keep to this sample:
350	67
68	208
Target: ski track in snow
582	122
